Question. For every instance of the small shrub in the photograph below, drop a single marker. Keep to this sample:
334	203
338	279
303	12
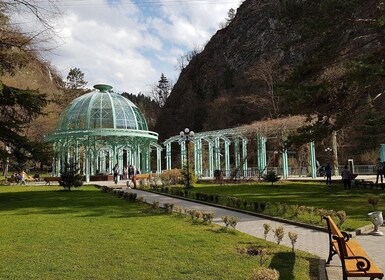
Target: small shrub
170	177
208	217
374	200
310	210
153	180
341	216
321	212
178	209
256	206
278	206
155	205
267	207
197	214
279	233
230	221
132	197
264	273
266	230
272	177
168	207
191	212
263	256
295	210
244	202
141	199
293	239
262	206
238	202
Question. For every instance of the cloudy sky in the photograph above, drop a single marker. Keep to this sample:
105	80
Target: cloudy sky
129	43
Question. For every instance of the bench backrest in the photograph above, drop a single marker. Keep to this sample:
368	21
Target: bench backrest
336	234
143	176
333	228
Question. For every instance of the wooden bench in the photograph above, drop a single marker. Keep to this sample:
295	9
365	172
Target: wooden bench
142	178
363	183
48	180
354	260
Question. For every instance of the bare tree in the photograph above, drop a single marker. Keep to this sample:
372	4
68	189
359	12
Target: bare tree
185	59
263	72
32	19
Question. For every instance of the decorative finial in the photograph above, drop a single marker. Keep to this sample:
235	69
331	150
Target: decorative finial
102	87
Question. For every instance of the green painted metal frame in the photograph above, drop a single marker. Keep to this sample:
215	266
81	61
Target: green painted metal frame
75	138
218	138
215	140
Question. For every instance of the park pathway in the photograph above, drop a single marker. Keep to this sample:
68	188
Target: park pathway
309	240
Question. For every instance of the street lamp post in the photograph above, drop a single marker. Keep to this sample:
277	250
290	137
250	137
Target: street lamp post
187	135
8	151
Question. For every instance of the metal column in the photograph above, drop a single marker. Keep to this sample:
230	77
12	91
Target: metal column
313	163
261	140
168	156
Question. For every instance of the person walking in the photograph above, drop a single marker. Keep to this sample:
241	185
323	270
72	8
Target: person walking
328	174
125	173
380	172
346	177
116	173
131	172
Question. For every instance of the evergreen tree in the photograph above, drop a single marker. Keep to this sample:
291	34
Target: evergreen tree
18	108
163	91
75	79
70	176
74	86
230	15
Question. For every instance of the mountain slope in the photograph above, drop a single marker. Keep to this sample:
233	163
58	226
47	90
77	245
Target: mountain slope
288	57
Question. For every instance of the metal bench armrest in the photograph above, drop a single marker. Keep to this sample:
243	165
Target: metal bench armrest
363	264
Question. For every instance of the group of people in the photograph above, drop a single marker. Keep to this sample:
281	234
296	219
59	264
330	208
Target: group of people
346	175
19	178
129	173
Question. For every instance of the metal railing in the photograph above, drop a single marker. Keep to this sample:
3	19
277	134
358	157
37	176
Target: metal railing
305	171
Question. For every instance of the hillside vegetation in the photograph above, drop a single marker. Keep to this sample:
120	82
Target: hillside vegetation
289	57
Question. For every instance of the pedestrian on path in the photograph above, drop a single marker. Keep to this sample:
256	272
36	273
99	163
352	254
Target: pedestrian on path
346	177
380	172
328	174
116	173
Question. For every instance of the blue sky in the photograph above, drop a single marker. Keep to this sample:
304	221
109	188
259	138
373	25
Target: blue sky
129	43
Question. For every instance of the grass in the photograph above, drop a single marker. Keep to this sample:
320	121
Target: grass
48	233
353	202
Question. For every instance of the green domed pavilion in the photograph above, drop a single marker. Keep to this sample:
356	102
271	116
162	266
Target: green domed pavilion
102	128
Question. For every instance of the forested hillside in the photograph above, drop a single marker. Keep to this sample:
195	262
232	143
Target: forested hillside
276	58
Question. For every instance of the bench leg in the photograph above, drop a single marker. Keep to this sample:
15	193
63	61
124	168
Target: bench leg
332	252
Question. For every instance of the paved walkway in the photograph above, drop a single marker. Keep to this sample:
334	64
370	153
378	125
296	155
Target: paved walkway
309	240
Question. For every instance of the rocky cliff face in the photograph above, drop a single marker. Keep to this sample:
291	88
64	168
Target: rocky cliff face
282	57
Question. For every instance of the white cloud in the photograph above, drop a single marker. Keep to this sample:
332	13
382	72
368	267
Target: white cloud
129	45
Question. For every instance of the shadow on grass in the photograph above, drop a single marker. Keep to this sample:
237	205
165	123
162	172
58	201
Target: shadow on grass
82	202
284	262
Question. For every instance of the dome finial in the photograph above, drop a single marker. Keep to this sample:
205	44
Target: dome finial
103	87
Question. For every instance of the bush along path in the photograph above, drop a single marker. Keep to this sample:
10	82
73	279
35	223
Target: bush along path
296	213
309	240
306	239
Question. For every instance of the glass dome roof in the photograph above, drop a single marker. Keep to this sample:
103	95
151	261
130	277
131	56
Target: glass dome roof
101	109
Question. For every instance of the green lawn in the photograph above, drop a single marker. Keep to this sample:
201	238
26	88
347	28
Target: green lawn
354	202
48	233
